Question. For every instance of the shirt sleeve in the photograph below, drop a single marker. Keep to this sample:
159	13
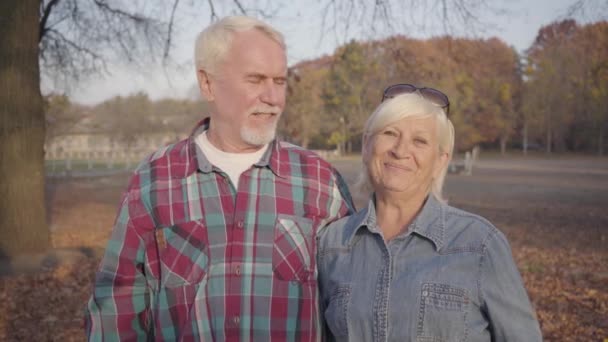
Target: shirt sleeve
118	310
344	197
510	314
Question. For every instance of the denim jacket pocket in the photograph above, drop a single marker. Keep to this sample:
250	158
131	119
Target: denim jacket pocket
443	313
183	254
336	312
293	248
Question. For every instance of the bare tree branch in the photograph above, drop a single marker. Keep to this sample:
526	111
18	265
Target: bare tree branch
212	8
44	17
119	31
170	32
239	6
116	11
587	10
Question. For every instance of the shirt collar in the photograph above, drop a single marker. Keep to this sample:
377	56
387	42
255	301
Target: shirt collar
274	158
429	223
364	218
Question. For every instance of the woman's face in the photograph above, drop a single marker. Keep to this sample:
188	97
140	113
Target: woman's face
404	157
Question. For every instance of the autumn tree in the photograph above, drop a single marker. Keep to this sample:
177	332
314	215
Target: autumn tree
61	115
345	92
125	118
549	58
177	115
592	56
303	119
566	80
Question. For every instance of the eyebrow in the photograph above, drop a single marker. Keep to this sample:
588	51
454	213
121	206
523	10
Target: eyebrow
263	76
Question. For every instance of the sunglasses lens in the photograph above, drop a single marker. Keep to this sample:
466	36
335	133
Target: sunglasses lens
398	89
430	94
435	96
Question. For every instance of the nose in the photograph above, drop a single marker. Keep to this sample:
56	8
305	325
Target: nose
273	94
401	149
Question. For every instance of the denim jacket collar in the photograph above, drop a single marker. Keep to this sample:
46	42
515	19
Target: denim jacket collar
429	223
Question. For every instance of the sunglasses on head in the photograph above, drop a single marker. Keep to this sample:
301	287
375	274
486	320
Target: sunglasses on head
433	95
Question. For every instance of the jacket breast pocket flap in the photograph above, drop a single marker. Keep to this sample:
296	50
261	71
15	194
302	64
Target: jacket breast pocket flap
443	313
293	248
183	251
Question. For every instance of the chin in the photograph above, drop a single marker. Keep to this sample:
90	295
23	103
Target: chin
258	138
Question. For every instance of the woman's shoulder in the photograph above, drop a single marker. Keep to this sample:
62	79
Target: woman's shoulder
464	227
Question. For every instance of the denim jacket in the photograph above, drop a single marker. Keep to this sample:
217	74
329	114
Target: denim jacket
449	277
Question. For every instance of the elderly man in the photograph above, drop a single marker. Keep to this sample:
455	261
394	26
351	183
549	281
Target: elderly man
216	235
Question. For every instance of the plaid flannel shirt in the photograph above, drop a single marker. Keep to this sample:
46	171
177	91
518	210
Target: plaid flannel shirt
191	258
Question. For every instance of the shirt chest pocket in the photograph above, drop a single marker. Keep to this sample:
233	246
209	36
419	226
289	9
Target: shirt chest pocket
293	250
183	254
442	314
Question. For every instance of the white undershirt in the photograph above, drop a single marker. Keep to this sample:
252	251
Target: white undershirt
232	163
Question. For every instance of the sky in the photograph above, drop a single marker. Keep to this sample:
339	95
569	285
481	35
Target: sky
301	24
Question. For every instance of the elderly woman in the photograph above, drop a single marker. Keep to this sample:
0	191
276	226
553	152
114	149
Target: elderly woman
408	267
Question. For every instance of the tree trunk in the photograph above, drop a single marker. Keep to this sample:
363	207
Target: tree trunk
549	138
23	227
524	143
600	147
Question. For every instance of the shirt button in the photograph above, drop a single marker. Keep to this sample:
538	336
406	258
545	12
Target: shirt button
237	270
239	224
236	320
425	293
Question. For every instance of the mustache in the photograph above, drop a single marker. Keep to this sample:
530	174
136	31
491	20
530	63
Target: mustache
265	109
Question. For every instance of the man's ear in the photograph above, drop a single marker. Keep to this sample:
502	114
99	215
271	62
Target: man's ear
204	84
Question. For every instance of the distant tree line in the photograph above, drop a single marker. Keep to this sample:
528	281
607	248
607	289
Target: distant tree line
554	96
123	118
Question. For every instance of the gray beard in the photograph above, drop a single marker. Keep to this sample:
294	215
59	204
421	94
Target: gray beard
259	137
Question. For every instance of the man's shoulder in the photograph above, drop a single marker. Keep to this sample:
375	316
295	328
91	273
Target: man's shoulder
303	154
169	161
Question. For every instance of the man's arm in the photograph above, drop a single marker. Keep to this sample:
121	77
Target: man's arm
343	196
119	307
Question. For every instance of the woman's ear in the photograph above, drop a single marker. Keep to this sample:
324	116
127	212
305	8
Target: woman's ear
204	84
444	159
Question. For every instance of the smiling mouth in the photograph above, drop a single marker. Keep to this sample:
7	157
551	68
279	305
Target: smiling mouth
263	114
399	167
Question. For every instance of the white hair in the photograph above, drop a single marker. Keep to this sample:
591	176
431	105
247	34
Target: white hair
395	109
214	41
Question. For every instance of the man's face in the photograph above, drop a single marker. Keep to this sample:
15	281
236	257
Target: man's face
247	93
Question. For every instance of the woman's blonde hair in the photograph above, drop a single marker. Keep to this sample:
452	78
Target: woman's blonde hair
395	109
